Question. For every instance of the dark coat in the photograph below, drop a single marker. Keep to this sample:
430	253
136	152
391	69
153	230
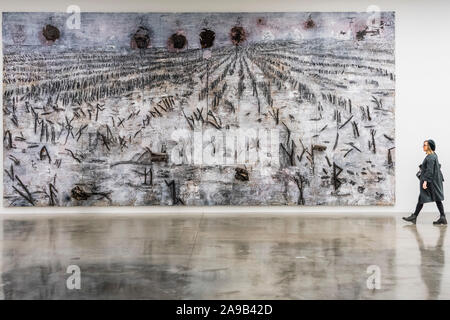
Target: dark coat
431	172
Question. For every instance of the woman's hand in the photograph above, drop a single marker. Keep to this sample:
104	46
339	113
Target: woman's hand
424	185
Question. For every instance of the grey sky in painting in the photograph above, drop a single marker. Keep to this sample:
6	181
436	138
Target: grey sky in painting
115	29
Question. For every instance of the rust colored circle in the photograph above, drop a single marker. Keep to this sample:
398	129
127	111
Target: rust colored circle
50	33
309	24
207	37
177	41
141	39
237	35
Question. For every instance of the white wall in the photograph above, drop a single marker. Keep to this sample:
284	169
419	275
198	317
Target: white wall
423	86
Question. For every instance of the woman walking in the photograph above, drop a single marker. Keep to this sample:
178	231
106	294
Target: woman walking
431	188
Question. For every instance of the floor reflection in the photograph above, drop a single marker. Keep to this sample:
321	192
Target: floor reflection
432	260
218	257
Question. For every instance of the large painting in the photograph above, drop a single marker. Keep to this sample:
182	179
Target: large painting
136	109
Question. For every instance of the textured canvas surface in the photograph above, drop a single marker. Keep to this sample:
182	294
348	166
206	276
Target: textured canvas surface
198	109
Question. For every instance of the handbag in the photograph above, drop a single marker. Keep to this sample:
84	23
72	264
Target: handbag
419	173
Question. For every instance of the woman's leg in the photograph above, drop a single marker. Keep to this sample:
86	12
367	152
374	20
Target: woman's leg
419	207
441	208
413	217
442	219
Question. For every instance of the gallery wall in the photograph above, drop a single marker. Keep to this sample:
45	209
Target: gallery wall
421	102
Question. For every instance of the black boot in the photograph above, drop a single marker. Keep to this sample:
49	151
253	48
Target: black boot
441	220
412	218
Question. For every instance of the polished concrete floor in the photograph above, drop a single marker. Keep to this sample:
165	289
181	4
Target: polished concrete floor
217	256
